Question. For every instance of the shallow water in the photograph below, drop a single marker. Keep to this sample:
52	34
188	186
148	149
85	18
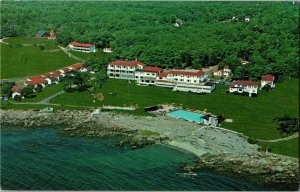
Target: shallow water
43	159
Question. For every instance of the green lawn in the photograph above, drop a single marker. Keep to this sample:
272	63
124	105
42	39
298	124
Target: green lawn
31	60
46	92
11	105
252	116
86	56
27	41
289	148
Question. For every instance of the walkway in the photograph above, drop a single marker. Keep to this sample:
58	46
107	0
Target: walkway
1	40
46	100
281	139
66	51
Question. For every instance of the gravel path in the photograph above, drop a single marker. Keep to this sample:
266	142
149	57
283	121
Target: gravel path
281	139
70	54
46	100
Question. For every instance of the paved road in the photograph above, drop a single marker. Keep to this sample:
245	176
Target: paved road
281	139
71	55
46	100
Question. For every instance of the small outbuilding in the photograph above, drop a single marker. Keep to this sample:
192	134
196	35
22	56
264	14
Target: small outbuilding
42	34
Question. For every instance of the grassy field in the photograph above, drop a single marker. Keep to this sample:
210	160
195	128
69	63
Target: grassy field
289	148
46	92
24	106
86	56
252	116
29	60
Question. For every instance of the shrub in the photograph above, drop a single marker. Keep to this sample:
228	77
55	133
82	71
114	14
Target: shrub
18	98
69	89
17	45
252	140
42	47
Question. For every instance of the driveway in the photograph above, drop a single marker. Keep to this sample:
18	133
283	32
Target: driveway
66	51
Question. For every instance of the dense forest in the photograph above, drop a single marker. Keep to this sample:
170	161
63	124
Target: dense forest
172	34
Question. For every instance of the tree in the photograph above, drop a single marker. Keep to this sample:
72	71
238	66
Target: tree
69	80
38	88
286	124
6	88
27	92
101	76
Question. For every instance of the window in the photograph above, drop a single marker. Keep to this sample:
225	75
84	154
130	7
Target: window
188	80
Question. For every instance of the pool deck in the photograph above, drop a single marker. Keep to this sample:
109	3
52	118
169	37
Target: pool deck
187	115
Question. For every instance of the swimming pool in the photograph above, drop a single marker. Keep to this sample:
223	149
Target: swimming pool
187	115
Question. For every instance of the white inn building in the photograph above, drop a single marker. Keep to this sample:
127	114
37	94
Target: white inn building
83	47
249	87
147	75
124	69
185	80
179	80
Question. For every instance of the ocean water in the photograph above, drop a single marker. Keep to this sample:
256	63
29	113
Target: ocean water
43	159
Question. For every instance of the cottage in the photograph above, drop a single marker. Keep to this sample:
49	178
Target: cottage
79	67
16	90
267	80
224	72
42	34
124	69
247	19
147	75
52	35
107	50
36	80
249	87
83	47
244	62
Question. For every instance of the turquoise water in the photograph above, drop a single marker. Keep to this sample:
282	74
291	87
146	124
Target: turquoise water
43	159
187	115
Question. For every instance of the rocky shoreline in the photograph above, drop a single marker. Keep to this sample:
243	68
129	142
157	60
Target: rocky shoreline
217	149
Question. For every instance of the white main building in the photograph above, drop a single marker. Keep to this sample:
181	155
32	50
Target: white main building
179	80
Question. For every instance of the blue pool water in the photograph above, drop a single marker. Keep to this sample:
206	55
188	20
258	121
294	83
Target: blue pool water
187	115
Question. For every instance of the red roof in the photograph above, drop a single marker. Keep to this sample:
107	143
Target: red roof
77	44
268	77
57	72
127	63
47	74
187	73
243	83
152	69
17	89
66	69
77	66
164	74
36	80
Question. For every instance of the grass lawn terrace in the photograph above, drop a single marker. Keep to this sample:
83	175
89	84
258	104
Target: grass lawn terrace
22	61
252	116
